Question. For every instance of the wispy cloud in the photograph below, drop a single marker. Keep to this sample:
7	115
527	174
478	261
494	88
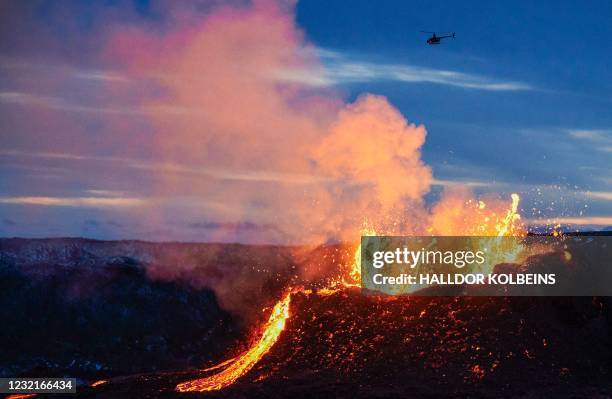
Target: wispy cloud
59	104
104	76
604	195
591	134
342	69
256	176
93	202
261	176
578	220
462	183
600	139
64	70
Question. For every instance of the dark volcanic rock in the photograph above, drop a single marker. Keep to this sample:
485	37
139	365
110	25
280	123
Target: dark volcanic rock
92	309
68	310
350	345
80	309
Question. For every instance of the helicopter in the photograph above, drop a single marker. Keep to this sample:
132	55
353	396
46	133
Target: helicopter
436	39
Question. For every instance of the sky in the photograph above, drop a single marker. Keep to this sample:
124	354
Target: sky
134	119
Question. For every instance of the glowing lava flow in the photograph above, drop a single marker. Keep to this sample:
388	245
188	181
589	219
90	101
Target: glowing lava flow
234	368
237	367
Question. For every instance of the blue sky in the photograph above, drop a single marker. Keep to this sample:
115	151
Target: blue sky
520	102
548	123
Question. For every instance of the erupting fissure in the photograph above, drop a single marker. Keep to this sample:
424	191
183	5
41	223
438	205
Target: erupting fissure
234	368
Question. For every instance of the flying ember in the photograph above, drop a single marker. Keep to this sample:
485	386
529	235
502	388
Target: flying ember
234	368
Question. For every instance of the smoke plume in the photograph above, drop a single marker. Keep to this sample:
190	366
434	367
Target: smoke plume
271	150
212	121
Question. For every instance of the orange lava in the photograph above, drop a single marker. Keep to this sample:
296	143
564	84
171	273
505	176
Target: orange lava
236	367
239	366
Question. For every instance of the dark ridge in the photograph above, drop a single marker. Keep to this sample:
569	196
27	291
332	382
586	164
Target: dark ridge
347	345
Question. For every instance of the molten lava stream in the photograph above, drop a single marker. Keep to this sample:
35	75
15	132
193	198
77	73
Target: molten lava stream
234	368
240	365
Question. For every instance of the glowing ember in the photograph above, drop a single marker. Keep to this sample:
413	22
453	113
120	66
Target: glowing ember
507	225
354	277
239	366
235	368
508	250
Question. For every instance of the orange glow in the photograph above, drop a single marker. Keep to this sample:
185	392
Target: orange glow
234	368
507	225
483	223
239	366
354	277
